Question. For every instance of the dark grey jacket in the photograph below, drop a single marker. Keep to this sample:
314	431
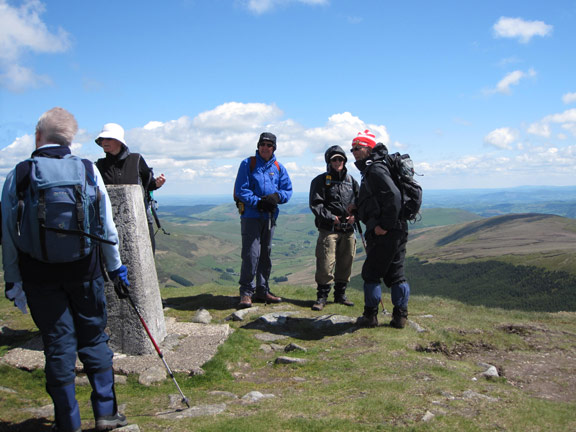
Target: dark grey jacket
379	201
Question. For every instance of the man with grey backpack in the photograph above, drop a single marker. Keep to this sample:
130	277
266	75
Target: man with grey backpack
59	238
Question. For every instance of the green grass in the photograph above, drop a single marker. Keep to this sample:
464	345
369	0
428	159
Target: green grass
365	380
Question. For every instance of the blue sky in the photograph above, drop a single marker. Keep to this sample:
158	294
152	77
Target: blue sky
482	94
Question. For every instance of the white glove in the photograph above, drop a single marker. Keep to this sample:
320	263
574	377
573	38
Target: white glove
16	294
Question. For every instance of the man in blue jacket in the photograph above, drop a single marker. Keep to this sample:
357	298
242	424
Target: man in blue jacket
261	184
66	299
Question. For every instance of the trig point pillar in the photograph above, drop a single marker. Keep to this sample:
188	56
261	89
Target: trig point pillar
127	334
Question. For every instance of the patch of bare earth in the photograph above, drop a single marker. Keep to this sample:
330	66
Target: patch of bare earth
546	369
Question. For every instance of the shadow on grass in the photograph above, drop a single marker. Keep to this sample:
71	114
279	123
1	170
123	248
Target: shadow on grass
304	328
30	425
15	338
206	301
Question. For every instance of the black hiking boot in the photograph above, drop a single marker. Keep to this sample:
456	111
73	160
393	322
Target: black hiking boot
399	317
111	422
369	319
340	295
320	303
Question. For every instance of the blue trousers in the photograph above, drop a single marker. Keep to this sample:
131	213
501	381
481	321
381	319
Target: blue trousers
256	250
71	318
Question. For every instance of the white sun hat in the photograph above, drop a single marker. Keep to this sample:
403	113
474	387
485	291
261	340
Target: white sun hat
111	130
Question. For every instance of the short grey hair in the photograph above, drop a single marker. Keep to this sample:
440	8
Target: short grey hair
57	126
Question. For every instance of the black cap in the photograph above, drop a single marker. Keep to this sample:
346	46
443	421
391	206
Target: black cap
267	136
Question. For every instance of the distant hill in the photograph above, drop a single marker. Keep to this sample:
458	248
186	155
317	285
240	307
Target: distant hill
447	245
545	241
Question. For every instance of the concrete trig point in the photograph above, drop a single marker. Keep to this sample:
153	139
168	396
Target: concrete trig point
127	335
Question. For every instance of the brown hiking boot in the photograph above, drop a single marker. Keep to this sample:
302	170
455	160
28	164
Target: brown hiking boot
319	305
369	319
268	298
399	317
245	302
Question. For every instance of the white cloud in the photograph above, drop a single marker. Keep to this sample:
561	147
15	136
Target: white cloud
569	98
540	129
513	78
263	6
22	31
501	138
517	28
566	120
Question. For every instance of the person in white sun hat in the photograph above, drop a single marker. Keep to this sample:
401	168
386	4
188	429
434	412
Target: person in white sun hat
120	166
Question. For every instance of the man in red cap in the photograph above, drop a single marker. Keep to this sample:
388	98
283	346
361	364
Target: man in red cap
379	205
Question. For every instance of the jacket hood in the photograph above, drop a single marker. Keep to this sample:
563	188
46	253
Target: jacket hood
334	150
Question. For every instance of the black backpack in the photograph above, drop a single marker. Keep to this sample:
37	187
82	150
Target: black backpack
402	172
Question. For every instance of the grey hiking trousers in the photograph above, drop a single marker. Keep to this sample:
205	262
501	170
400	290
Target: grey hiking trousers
256	262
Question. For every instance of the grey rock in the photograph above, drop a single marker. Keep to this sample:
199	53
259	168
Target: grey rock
7	390
255	396
269	337
290	360
491	372
268	348
152	375
416	326
276	318
239	315
202	316
195	411
428	416
128	428
332	320
294	347
470	394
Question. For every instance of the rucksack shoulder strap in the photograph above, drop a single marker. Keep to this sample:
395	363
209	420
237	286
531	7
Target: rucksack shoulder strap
89	166
23	176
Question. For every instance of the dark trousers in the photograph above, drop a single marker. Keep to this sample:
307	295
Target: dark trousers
71	317
385	258
256	262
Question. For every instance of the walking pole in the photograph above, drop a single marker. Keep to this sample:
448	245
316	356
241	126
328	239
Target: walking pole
122	291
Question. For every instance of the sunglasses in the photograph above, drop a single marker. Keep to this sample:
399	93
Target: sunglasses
357	148
265	144
337	159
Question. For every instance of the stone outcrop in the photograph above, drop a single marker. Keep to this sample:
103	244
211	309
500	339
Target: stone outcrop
127	334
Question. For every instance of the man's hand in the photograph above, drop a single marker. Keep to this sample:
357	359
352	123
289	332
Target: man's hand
273	198
379	231
15	293
120	279
160	181
269	203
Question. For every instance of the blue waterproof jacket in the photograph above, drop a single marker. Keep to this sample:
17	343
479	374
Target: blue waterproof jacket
266	178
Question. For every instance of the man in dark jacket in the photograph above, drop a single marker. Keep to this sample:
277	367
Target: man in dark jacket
330	195
379	205
122	167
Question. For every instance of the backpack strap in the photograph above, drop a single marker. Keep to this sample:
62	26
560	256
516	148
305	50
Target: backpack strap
22	183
